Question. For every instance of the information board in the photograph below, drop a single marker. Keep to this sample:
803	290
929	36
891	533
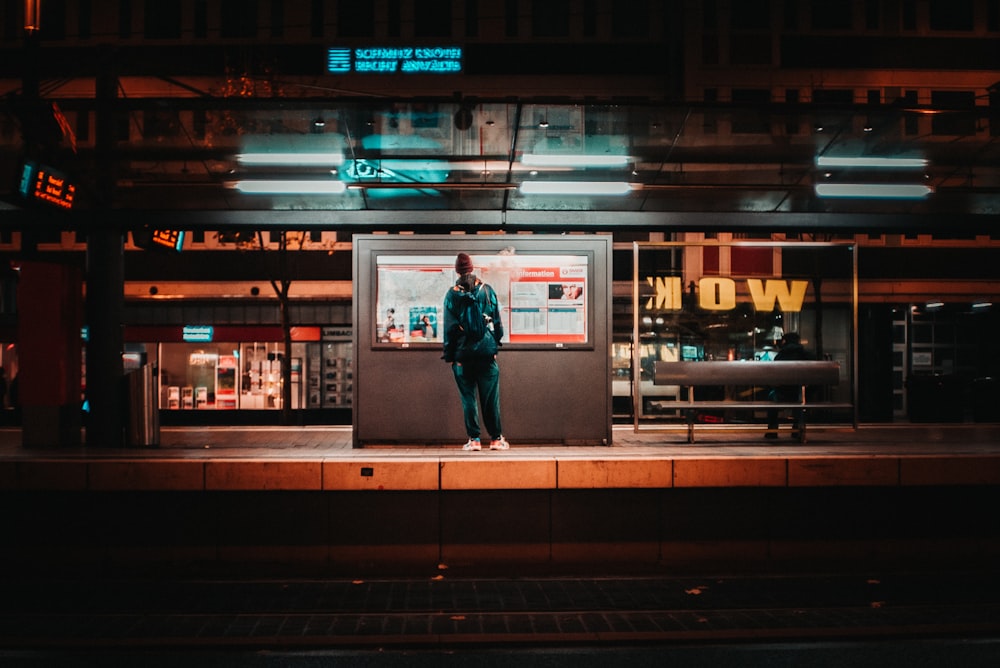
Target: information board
544	299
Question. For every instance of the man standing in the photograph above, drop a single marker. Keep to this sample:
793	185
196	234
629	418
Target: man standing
472	352
791	349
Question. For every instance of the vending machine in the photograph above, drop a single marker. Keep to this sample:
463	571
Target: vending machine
337	368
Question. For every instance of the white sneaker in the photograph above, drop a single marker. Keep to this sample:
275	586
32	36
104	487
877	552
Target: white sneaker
499	444
473	444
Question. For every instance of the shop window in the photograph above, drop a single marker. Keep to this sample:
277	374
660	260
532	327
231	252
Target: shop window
710	49
750	49
837	96
53	20
356	19
911	125
432	18
9	25
908	14
201	18
832	14
394	18
82	125
238	19
751	119
953	15
125	19
550	18
48	236
873	14
472	18
994	118
511	18
160	124
83	19
123	127
792	122
277	18
589	18
162	19
751	15
790	16
953	122
630	20
199	123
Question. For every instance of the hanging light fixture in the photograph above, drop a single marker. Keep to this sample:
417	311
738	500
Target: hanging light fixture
32	15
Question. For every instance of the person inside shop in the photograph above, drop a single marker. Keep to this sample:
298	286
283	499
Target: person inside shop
472	332
790	348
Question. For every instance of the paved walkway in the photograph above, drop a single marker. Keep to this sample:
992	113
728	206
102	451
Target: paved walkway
323	459
312	442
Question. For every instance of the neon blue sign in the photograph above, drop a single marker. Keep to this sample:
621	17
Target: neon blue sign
197	333
395	60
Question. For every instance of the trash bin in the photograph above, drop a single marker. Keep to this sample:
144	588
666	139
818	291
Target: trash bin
935	398
143	411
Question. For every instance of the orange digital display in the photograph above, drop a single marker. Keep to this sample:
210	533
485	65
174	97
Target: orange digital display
53	188
172	239
41	183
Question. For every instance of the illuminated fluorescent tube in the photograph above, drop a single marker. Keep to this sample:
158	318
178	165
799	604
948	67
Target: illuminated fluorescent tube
575	188
555	160
291	159
873	190
290	187
887	163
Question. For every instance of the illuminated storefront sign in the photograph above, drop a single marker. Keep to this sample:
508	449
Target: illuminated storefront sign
198	333
395	60
47	185
719	293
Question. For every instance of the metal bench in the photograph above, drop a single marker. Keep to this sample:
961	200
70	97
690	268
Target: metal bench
801	374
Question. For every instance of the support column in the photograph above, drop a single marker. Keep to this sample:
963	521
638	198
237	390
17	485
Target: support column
105	280
105	343
50	298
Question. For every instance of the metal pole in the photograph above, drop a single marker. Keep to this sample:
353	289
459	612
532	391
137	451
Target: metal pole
105	281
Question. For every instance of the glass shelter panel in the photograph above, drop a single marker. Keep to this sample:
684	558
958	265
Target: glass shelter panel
735	303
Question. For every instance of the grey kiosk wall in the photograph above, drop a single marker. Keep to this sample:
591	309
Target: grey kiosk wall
555	370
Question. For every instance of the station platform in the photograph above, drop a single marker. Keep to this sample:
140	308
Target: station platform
267	500
321	458
287	546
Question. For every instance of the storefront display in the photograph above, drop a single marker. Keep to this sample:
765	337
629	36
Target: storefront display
246	375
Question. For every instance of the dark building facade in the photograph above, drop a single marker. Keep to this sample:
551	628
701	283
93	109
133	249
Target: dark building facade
258	137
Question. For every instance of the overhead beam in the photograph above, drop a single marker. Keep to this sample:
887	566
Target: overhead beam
494	220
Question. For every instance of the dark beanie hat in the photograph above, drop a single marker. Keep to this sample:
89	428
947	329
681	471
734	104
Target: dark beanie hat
463	264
